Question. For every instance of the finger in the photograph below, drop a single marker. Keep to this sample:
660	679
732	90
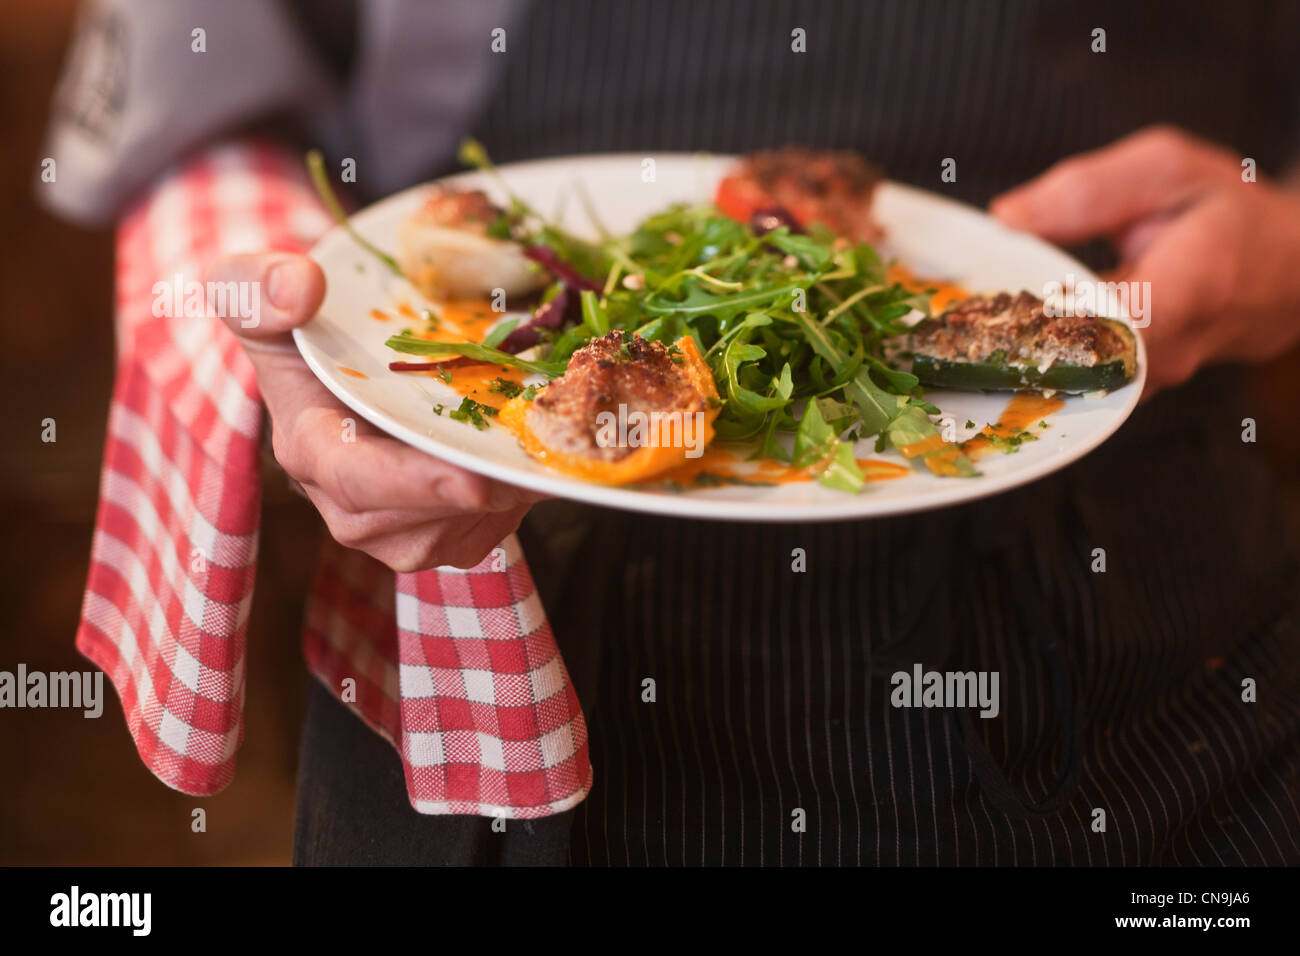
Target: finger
471	548
1100	193
1181	298
363	470
1179	289
373	531
1169	372
360	530
460	542
284	289
1133	242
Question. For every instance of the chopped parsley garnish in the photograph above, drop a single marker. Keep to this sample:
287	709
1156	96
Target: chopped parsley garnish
473	413
1010	443
969	423
625	353
445	375
503	386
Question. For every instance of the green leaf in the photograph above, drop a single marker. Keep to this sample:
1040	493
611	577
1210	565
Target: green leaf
842	471
698	301
412	345
838	415
785	383
911	427
593	313
876	407
743	399
897	380
817	446
499	333
813	438
869	265
770	446
808	251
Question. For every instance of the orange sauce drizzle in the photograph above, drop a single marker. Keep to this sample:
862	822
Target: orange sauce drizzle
1024	409
379	315
925	446
944	295
353	372
476	381
466	321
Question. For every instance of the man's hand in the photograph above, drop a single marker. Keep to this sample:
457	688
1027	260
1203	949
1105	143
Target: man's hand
1222	255
399	505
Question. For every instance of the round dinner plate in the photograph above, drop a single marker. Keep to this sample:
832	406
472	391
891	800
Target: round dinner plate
935	237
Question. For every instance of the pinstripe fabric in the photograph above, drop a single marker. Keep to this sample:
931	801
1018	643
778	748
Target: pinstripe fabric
1003	87
770	690
765	701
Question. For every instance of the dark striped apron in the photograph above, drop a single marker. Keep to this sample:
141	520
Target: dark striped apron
771	738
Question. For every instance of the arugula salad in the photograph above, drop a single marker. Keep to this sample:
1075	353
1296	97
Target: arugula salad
798	324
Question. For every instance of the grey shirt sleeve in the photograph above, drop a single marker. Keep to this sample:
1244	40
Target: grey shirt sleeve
148	80
142	88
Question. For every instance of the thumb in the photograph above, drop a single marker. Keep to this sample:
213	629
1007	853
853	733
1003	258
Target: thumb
272	294
1152	171
263	296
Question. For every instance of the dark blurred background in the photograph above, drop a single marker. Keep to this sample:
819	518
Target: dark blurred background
73	790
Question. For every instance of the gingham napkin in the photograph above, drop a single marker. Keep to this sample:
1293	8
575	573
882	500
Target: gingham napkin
458	669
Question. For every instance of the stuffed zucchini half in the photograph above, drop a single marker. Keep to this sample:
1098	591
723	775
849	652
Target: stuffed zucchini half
1006	342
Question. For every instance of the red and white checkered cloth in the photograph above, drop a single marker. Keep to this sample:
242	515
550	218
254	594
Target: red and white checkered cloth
458	669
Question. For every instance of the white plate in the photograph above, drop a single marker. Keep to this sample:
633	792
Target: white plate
936	237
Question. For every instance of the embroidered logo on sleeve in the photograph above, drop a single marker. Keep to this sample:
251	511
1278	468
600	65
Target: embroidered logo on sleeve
92	93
